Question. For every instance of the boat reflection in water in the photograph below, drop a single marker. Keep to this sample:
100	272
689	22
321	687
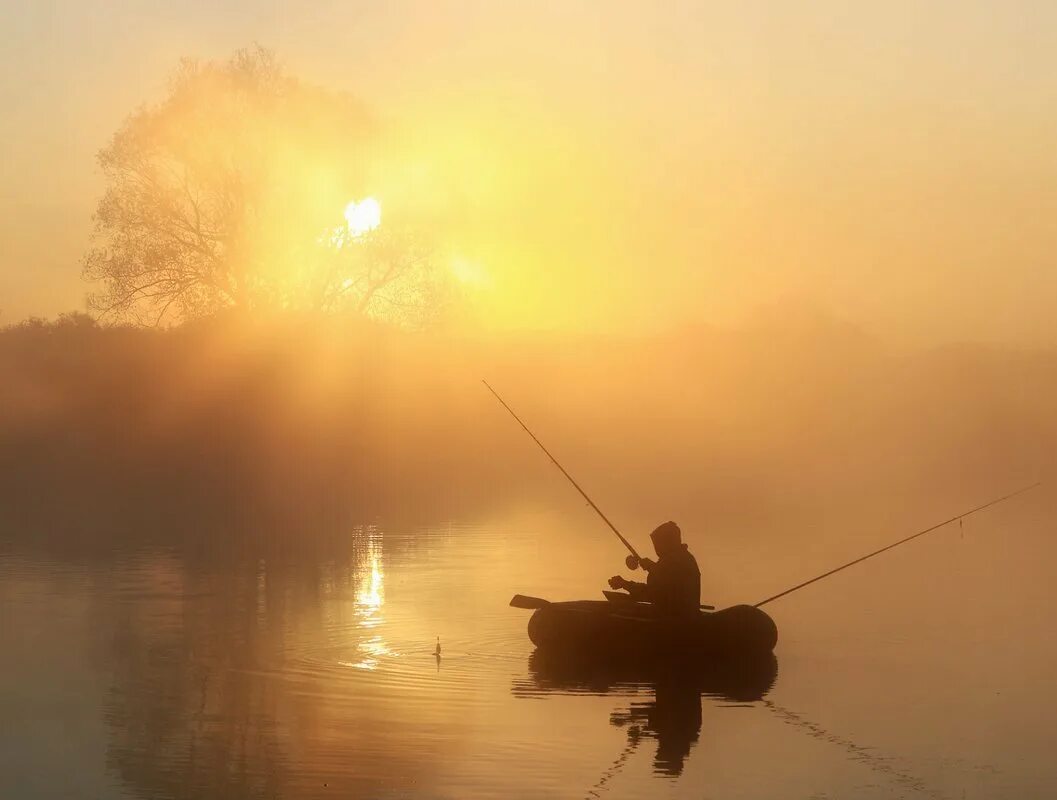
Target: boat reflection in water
672	692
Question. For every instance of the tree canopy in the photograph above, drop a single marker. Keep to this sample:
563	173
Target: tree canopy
229	194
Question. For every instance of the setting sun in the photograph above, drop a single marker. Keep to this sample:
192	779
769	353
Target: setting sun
363	216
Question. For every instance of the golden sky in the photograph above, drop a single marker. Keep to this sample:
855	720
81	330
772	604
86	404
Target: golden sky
614	165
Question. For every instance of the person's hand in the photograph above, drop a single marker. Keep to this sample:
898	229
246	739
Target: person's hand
616	582
647	563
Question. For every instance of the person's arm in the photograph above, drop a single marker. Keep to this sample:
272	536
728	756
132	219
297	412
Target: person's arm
635	589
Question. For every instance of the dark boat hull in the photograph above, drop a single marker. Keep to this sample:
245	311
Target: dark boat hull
602	626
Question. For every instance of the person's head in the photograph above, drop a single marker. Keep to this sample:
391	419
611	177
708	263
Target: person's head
667	539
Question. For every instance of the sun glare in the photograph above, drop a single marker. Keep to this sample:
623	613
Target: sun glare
470	273
363	216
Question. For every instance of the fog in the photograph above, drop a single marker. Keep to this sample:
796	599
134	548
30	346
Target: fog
292	428
779	272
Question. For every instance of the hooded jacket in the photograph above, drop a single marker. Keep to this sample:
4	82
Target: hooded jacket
673	585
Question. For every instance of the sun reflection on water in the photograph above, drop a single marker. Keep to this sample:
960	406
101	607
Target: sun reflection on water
369	601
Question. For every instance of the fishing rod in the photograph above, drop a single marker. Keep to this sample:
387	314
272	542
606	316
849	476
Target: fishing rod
896	544
632	561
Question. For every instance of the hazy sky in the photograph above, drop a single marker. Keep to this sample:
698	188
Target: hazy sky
615	164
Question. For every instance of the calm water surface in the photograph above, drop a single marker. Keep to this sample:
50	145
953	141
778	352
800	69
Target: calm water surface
169	673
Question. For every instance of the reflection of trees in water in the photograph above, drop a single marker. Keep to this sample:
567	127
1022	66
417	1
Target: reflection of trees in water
188	716
198	706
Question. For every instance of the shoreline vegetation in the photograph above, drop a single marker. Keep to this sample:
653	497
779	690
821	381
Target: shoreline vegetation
299	424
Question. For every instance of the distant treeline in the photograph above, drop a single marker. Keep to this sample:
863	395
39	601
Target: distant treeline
304	425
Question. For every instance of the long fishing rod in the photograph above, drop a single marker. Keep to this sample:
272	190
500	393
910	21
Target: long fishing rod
632	560
896	544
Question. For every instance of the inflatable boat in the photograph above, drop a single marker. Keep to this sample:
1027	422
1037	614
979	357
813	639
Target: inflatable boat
617	625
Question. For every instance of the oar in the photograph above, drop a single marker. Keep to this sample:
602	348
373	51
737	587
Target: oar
619	597
524	601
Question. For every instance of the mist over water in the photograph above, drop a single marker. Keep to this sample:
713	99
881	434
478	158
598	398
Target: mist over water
228	552
300	417
777	273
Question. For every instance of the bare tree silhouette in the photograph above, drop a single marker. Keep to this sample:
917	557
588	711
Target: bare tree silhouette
229	194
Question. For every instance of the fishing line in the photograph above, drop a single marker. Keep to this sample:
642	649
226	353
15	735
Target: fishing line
617	765
857	752
957	518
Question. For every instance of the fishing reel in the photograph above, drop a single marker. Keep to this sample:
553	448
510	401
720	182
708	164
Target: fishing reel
632	562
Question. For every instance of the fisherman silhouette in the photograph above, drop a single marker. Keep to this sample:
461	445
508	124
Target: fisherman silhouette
673	585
